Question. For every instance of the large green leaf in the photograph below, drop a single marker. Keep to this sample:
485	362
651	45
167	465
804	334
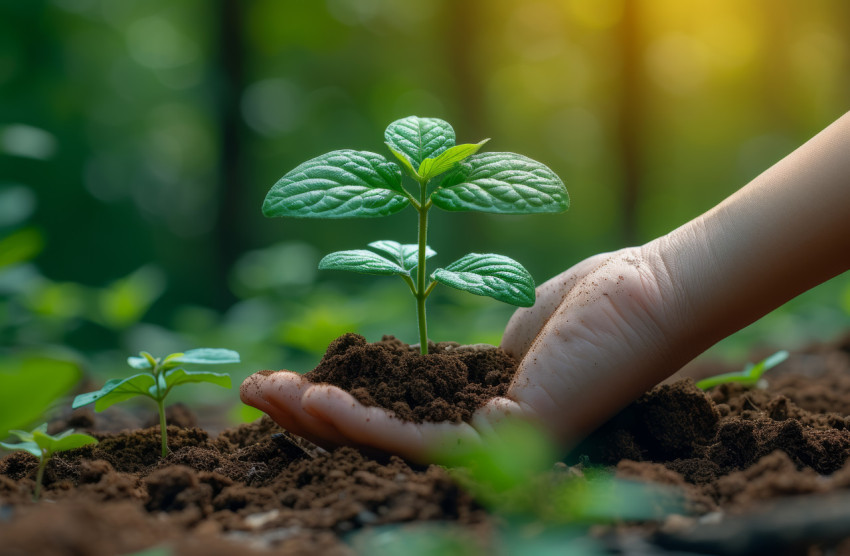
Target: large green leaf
362	261
432	167
117	390
406	256
339	184
505	183
29	384
208	356
182	376
492	275
419	138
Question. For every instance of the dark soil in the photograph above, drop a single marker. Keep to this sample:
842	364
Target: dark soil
447	384
762	471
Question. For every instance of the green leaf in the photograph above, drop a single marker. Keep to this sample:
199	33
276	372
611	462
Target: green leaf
117	390
419	138
406	256
432	167
749	376
339	184
405	162
29	446
72	442
505	183
182	376
362	261
21	403
206	356
141	362
492	275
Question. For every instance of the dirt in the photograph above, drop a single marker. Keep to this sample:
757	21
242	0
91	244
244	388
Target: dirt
761	471
447	384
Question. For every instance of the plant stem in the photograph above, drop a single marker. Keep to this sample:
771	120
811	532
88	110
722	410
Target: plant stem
421	293
39	477
162	427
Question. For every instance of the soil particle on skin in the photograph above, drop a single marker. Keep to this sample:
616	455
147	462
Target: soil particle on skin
447	384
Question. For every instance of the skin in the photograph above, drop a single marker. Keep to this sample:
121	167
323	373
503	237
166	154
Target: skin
612	326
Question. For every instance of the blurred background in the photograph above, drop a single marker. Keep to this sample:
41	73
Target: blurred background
139	138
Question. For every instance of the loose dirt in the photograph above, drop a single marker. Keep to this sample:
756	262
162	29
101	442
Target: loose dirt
762	471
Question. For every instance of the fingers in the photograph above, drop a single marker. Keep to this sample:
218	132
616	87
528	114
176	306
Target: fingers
379	429
279	395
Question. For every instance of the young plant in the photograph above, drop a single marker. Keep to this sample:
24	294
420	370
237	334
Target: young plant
749	376
361	184
160	376
43	446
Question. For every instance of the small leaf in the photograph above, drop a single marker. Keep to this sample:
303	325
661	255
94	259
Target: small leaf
150	358
139	363
362	261
29	447
206	356
72	442
339	184
432	167
117	390
749	376
504	183
419	138
406	256
405	162
182	376
492	275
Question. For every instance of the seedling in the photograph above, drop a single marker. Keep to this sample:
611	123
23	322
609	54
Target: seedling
749	376
162	374
361	184
43	446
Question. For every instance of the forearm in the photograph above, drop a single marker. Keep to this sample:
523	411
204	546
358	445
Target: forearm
785	232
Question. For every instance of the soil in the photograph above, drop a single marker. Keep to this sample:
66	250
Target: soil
761	471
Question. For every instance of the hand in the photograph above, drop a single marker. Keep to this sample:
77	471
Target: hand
595	340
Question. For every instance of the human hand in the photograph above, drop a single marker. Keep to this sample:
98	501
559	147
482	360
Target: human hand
594	341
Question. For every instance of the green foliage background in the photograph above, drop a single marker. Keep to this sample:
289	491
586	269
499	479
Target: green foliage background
139	138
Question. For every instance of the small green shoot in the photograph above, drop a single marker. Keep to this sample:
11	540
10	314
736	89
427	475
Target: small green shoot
362	184
160	376
42	445
749	376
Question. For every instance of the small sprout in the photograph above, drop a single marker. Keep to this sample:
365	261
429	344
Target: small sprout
43	446
160	376
749	376
362	184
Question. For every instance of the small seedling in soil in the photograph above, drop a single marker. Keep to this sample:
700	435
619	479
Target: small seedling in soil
162	374
749	376
43	446
361	184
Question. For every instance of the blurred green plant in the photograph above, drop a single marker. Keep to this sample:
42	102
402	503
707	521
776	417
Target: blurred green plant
361	184
163	374
42	445
749	376
29	384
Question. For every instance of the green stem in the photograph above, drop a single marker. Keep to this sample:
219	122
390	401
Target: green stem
421	293
39	477
160	404
162	427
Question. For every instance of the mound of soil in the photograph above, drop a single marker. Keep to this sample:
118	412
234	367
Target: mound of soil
447	384
762	471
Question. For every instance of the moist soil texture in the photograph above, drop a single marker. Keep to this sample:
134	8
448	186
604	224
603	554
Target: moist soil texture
761	471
